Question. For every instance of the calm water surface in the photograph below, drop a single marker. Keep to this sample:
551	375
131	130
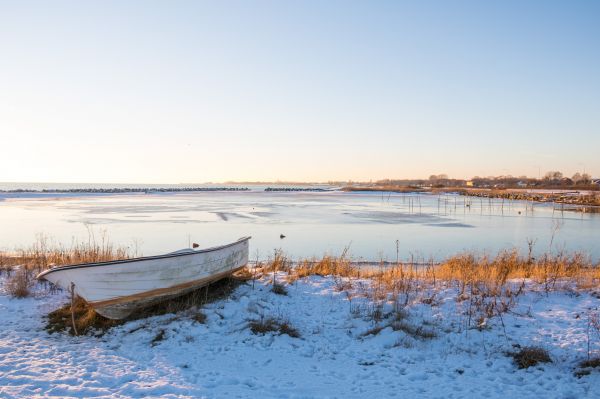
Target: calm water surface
425	225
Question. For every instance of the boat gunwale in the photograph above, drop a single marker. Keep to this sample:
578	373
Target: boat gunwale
142	258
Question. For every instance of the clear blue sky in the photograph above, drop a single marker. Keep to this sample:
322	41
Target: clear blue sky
176	91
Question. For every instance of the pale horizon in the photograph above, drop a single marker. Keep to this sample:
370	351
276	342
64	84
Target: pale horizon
157	93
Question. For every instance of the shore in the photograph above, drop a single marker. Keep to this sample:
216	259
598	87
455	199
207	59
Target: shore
340	348
506	326
575	198
584	201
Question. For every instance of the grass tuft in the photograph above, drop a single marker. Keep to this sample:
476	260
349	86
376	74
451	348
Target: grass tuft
375	330
272	325
530	356
417	332
586	366
590	363
158	338
199	318
279	289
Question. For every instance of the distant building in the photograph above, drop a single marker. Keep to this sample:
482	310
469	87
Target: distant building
522	184
469	183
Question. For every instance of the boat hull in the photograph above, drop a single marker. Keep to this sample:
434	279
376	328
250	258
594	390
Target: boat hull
117	289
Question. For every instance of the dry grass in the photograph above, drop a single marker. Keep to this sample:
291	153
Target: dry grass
509	264
278	263
199	317
326	266
44	254
417	332
486	286
86	319
398	320
266	325
373	330
531	356
590	363
469	270
586	366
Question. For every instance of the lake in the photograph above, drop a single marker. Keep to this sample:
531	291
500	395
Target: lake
370	224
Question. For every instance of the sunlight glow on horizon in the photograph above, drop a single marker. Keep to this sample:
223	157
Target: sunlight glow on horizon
193	92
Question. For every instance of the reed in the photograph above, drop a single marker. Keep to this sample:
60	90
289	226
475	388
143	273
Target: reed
485	286
44	253
462	269
23	265
547	269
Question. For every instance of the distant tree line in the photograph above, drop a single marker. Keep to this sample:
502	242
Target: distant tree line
552	179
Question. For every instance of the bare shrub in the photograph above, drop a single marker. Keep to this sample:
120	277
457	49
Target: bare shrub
18	285
342	283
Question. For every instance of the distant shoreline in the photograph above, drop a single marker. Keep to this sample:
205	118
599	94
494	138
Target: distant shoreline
579	198
123	190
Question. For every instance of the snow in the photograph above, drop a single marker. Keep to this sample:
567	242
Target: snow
333	358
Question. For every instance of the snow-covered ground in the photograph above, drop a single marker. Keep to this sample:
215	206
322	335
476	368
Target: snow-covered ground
333	358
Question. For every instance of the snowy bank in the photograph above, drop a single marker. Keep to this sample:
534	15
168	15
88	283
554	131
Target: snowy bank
339	352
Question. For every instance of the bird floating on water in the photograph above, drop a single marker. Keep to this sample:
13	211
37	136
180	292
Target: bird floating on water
281	236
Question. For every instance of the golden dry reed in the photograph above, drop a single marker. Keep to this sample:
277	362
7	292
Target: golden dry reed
44	253
463	269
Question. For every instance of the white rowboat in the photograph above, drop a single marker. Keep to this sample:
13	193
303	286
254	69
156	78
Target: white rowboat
117	288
